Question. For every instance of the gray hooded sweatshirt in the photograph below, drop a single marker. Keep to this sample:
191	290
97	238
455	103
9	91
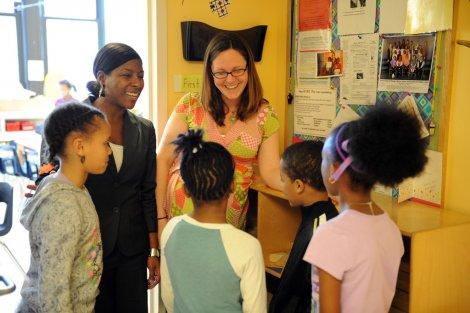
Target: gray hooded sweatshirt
66	251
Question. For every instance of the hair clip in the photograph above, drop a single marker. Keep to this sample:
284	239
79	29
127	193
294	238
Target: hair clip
346	159
195	149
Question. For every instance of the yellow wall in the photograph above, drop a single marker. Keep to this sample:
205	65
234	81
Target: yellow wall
457	180
243	14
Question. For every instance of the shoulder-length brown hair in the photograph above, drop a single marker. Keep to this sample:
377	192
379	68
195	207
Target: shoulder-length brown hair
252	96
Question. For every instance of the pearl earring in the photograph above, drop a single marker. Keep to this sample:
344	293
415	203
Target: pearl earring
101	93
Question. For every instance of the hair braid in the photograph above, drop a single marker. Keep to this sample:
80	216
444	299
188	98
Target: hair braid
207	168
65	119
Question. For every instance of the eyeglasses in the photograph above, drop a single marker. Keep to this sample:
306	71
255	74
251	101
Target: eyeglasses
235	73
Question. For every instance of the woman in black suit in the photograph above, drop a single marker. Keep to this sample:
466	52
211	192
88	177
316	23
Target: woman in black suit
124	195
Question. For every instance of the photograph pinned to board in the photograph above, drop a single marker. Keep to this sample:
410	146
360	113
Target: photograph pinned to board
314	14
314	111
406	63
356	16
307	71
359	80
329	63
219	6
319	64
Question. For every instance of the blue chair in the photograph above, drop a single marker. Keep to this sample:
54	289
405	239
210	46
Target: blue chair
11	162
21	168
32	163
7	160
6	221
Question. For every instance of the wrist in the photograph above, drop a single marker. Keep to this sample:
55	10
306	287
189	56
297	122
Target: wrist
162	217
154	253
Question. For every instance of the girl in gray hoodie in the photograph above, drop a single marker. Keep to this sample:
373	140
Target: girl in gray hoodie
64	234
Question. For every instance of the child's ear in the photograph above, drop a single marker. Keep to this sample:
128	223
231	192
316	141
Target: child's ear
299	186
332	169
78	145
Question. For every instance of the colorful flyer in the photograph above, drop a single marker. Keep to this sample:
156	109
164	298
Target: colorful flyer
314	14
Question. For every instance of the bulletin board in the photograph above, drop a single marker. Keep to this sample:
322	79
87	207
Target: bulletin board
432	105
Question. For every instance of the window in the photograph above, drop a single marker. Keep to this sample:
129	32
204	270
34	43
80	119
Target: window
70	56
72	40
9	59
82	9
64	34
9	50
7	6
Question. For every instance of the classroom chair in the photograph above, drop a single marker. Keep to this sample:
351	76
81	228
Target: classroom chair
6	220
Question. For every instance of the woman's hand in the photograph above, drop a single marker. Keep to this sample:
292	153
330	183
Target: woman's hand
153	264
32	190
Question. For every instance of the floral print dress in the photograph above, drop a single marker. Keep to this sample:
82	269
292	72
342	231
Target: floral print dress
242	140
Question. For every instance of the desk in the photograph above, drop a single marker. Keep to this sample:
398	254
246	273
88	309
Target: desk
435	271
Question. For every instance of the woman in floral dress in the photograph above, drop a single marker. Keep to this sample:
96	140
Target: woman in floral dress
232	111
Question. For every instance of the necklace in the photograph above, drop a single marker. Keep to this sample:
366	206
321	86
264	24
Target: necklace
369	204
233	117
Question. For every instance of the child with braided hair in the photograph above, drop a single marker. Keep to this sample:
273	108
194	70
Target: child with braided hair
356	255
64	233
207	264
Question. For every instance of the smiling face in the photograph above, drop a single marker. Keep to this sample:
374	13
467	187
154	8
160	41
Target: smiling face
230	87
124	84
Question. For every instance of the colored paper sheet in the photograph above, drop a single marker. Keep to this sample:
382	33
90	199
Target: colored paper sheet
314	14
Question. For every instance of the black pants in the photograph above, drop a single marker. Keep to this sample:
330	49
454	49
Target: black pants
123	286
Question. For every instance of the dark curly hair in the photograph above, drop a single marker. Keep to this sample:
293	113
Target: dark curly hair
302	161
385	146
207	168
73	116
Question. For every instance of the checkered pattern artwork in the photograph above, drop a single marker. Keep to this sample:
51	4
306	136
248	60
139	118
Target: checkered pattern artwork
219	6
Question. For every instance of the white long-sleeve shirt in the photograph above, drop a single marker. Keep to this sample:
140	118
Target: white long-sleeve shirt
209	267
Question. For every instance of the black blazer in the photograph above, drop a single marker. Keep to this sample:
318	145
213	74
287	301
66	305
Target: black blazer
125	201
